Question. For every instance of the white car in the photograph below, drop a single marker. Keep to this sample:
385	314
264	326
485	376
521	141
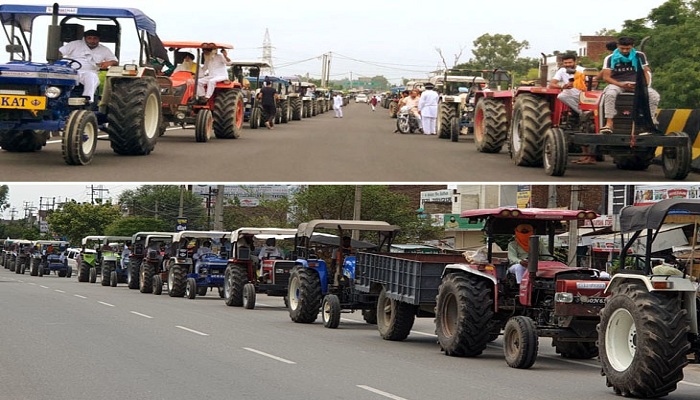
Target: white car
361	98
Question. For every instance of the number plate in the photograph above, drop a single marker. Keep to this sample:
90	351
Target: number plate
23	102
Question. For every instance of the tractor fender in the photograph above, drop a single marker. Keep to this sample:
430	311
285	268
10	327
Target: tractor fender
466	268
321	269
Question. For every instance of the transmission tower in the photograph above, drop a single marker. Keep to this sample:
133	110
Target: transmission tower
267	53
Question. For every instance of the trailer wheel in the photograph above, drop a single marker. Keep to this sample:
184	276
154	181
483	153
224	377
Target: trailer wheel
634	321
92	275
191	288
576	350
134	116
176	281
132	275
235	278
304	293
556	152
80	138
330	311
463	314
203	126
676	160
157	285
520	342
490	126
146	278
370	316
531	119
249	296
83	271
394	318
113	278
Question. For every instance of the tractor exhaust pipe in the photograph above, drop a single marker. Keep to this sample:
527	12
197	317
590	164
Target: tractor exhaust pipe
533	256
53	42
544	71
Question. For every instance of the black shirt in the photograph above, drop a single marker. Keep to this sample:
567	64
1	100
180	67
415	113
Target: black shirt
268	96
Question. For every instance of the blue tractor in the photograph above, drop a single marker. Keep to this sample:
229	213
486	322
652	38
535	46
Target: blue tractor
316	286
47	257
39	97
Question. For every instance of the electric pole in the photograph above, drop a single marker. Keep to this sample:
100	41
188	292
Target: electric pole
98	190
219	208
573	227
357	210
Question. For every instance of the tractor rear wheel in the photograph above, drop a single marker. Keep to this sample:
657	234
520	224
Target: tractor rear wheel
634	321
157	285
83	271
304	295
235	278
134	116
394	318
463	314
556	152
370	316
146	277
330	311
249	296
393	109
177	276
639	161
132	275
676	160
203	126
576	350
113	278
490	126
520	342
444	122
296	109
80	138
531	119
284	111
228	114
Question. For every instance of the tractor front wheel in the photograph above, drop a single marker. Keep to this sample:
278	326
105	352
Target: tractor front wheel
330	311
520	342
249	296
80	138
203	126
556	152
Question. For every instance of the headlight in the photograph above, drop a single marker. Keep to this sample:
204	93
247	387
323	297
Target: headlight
563	297
52	92
203	271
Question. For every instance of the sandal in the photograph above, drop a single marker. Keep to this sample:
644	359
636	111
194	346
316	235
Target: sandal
585	161
606	130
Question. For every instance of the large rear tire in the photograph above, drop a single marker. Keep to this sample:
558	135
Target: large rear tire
228	114
676	160
556	152
296	109
235	278
203	126
304	295
531	119
520	342
394	318
134	116
80	138
490	125
643	341
462	315
83	271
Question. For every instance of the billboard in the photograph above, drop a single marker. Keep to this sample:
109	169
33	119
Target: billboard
454	222
650	194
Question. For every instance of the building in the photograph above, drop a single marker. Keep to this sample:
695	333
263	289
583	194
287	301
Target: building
593	47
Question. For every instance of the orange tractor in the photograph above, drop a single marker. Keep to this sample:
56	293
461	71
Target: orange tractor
221	115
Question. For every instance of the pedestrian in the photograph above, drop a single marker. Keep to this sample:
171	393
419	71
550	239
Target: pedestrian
338	105
373	102
92	56
268	97
427	107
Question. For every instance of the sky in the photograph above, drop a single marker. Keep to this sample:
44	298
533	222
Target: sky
369	37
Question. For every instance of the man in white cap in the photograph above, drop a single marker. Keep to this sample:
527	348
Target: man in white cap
92	56
427	108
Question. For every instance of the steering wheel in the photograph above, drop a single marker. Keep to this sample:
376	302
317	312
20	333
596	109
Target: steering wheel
72	63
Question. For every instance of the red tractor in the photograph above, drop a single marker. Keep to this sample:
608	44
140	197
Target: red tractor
221	115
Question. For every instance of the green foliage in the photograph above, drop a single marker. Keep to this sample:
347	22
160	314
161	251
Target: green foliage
75	221
500	51
269	214
19	230
163	202
4	193
128	226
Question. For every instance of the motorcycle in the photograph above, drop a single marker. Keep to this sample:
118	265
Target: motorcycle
407	122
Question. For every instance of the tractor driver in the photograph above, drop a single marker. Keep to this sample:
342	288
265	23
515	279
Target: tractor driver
270	250
92	56
519	250
564	79
343	251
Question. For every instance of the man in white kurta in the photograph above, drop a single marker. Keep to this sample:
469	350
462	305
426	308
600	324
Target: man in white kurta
427	107
92	56
338	105
214	71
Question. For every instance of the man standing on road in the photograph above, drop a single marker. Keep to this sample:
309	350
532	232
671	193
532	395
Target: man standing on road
92	56
373	102
338	105
268	97
427	107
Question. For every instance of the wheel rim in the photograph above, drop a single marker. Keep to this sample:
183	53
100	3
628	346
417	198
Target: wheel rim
239	114
152	116
228	282
621	340
449	316
88	138
548	153
326	311
515	136
171	279
386	311
511	342
294	294
479	125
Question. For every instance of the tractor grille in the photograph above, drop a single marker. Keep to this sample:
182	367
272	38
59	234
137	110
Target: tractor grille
281	273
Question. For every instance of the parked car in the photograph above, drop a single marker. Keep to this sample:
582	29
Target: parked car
361	98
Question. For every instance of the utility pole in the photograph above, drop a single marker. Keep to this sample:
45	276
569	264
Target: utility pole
98	190
13	212
156	215
573	226
323	70
181	210
357	209
219	208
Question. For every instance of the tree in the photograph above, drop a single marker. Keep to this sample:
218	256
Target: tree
128	226
4	193
379	83
75	220
497	51
269	214
163	202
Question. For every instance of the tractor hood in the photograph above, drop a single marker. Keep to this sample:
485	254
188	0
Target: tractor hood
29	73
549	269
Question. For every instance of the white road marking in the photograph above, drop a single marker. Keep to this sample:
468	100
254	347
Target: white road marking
192	330
107	304
59	291
381	393
262	353
690	383
424	333
82	297
45	287
30	283
141	315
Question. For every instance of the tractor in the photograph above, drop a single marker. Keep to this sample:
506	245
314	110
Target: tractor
19	256
46	258
458	90
283	87
221	115
190	272
294	97
305	90
146	259
247	274
43	97
242	71
649	326
97	252
316	286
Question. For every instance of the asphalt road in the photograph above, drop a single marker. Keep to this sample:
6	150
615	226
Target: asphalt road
67	340
357	148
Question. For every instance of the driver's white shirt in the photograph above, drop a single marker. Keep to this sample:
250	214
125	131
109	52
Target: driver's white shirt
270	251
89	58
